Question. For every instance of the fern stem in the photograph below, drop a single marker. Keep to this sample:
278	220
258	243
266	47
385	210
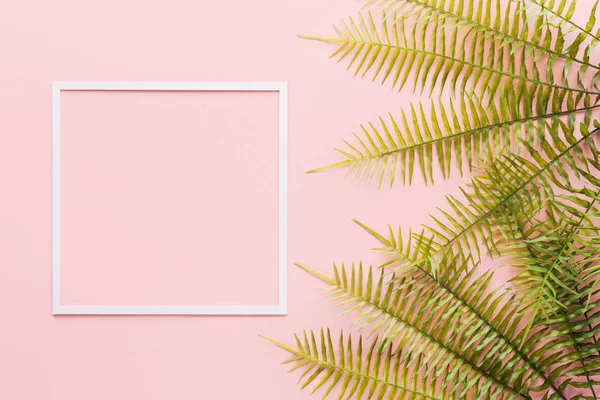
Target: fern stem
505	35
440	344
451	59
566	20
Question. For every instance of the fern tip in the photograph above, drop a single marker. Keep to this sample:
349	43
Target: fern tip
330	166
320	38
278	344
372	232
315	273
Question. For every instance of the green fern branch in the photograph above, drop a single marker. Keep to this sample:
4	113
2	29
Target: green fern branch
394	146
366	40
495	191
564	242
512	39
390	306
382	379
566	19
564	319
536	200
563	253
394	247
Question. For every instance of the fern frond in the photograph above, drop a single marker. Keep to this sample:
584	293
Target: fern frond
568	325
462	130
403	50
358	372
523	121
560	15
561	254
420	314
505	23
510	185
454	282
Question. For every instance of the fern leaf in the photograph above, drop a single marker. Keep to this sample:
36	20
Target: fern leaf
454	282
462	131
560	15
524	121
511	185
406	50
563	248
568	325
508	29
407	311
358	372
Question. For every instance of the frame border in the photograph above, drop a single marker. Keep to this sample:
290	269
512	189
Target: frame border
281	87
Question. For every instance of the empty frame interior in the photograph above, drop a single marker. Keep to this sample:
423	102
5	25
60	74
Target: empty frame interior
169	198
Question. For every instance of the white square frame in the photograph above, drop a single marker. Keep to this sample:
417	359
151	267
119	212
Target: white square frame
280	87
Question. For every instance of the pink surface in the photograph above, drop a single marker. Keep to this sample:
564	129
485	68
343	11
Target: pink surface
169	198
183	358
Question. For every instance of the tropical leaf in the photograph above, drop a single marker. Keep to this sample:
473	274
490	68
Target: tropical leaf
558	14
449	336
511	185
462	134
396	51
566	320
510	24
561	253
359	372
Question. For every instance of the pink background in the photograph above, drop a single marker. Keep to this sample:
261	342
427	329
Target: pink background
169	198
146	357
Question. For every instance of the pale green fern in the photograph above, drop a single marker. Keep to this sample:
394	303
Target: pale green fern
522	121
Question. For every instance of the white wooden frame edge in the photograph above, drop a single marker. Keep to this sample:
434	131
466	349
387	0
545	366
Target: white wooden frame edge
281	87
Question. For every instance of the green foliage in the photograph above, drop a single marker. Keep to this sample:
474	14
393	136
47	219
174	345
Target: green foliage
461	130
521	120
